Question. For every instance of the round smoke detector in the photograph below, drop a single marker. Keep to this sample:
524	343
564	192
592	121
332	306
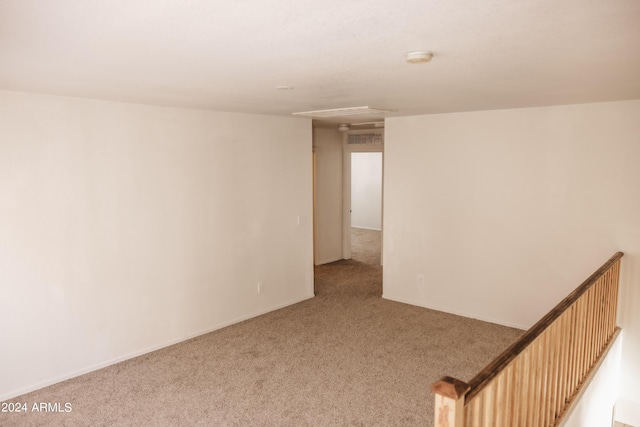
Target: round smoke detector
419	57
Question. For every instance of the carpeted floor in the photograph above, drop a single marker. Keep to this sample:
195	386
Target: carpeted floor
344	358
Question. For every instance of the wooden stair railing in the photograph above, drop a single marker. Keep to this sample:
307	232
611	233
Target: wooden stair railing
535	381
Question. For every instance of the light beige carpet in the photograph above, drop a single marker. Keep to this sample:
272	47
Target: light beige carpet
344	358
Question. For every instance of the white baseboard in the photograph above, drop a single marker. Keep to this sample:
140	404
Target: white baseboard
23	390
366	228
457	312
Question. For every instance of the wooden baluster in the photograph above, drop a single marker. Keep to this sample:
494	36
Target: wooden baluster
467	415
526	381
607	308
595	348
610	310
579	344
513	395
600	314
572	355
608	329
557	371
567	354
602	307
616	293
582	343
548	391
589	330
584	332
489	404
612	305
587	333
535	383
477	404
558	368
605	305
498	403
504	398
530	355
590	334
449	405
562	356
597	303
586	337
613	310
553	375
544	376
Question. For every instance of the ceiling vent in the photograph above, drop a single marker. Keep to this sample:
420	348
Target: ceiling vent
341	112
365	139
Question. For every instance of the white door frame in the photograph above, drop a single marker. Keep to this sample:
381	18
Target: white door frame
347	149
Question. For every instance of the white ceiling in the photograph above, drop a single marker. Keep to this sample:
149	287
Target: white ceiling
230	55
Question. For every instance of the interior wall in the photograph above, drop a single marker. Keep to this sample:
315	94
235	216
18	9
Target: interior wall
627	412
125	228
366	190
505	212
328	188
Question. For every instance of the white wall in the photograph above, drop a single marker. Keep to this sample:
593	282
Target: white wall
505	212
366	190
627	412
124	228
328	188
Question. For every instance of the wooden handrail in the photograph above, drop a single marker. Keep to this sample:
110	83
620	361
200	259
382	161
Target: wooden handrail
499	363
536	380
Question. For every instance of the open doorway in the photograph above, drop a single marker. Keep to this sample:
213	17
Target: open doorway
362	190
366	205
348	261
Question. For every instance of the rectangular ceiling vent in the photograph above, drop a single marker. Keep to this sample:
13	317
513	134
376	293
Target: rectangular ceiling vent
365	139
341	112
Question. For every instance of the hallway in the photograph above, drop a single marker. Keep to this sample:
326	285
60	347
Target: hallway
359	276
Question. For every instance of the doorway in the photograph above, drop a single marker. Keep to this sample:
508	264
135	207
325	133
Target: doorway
344	265
363	189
